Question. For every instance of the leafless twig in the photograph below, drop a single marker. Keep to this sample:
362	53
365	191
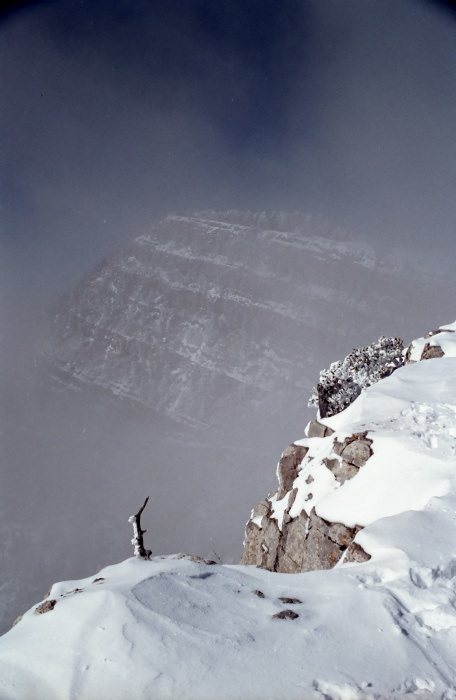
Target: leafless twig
137	540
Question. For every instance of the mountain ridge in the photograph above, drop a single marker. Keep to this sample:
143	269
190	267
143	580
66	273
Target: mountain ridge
208	302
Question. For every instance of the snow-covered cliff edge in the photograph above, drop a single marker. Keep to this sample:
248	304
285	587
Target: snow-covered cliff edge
372	460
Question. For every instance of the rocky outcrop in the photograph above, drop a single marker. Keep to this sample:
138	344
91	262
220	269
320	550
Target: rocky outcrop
286	531
280	539
426	349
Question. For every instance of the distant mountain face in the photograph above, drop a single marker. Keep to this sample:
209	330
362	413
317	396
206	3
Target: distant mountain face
212	318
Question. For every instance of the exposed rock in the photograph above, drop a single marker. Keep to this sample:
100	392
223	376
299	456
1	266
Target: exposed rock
431	351
259	594
290	601
351	455
196	559
432	333
45	607
286	532
408	355
288	466
343	471
316	429
325	543
305	542
355	553
286	615
420	350
261	540
292	547
357	450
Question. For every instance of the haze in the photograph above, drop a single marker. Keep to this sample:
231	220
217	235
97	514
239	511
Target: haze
115	114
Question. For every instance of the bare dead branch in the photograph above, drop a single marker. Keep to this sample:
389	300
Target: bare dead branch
137	541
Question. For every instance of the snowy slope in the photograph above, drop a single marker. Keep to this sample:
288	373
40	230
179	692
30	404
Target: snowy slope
385	628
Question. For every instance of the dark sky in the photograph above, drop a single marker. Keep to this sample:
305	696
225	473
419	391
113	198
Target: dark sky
117	112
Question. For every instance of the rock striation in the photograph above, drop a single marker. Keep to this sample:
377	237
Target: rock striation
208	313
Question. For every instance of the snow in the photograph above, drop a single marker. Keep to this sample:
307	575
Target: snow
177	628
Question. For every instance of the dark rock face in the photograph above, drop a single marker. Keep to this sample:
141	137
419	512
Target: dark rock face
306	542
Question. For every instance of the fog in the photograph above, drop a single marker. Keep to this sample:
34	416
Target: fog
115	114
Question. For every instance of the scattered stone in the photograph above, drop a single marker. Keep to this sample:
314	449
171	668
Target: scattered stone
309	479
431	351
260	594
290	601
45	607
17	620
97	580
286	615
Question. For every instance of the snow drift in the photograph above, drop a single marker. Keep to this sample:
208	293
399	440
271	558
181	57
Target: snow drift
174	627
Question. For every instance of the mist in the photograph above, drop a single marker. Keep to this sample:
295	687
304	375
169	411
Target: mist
117	114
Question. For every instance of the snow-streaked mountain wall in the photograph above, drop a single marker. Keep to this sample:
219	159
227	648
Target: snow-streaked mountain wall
203	315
